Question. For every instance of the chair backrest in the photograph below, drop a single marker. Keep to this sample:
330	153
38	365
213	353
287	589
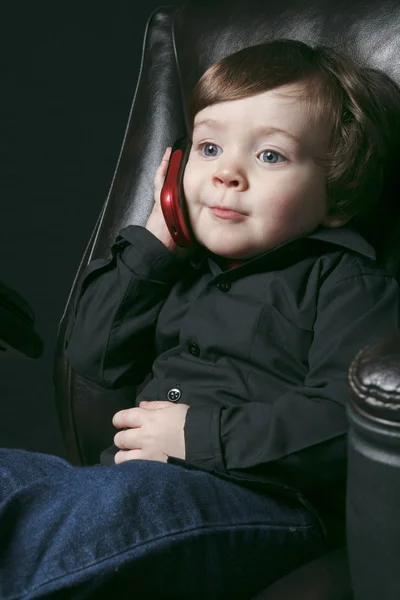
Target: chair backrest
180	43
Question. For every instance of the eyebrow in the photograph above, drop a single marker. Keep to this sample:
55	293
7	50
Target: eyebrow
263	130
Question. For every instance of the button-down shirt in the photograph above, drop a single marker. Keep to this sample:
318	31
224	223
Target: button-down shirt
259	351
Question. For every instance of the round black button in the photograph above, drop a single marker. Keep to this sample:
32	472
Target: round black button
224	286
174	395
194	349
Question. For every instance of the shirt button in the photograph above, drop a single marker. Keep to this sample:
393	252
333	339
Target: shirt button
174	395
224	286
194	349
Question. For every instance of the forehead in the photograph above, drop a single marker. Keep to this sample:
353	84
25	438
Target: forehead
280	108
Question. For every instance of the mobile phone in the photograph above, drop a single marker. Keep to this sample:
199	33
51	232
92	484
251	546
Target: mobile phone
172	199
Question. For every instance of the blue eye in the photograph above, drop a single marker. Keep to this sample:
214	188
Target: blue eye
208	146
211	150
271	156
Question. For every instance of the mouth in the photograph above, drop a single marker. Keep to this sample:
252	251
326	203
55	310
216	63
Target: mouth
226	213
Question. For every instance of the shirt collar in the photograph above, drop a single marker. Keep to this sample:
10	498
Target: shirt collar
346	237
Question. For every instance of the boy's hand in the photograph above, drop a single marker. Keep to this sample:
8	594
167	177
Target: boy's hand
155	431
156	222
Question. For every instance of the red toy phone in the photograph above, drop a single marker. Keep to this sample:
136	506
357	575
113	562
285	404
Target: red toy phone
172	199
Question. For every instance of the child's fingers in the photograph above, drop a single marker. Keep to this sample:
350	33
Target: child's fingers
162	169
165	159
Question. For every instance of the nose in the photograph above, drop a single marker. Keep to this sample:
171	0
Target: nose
230	177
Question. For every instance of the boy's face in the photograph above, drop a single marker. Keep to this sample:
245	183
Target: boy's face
266	176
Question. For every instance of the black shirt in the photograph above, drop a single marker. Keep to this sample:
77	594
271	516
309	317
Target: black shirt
260	351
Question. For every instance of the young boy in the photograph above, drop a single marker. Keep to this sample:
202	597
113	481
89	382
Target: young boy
236	447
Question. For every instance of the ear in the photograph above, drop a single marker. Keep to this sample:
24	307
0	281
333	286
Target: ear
334	220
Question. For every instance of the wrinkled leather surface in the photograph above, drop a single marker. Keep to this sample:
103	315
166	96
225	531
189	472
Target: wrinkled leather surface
180	43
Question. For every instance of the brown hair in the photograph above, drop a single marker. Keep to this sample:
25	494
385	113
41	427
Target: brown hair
361	106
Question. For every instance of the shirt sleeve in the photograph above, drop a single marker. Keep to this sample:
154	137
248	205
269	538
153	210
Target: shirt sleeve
110	338
300	437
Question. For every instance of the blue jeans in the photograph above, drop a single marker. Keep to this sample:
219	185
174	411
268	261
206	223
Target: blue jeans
142	529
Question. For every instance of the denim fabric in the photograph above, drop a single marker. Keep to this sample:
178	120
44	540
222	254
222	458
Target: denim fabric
141	529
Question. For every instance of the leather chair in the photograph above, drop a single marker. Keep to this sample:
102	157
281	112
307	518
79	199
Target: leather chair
180	43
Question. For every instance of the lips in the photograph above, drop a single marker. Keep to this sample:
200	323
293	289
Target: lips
226	213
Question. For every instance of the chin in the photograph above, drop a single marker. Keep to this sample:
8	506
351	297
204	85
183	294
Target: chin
224	245
228	251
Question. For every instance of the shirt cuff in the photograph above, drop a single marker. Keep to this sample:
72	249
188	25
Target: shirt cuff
202	438
146	255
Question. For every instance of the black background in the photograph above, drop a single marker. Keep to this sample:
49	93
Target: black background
69	73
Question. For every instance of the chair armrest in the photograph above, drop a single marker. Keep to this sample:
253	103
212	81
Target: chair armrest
374	379
373	484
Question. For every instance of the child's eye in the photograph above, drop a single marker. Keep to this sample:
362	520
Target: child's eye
271	157
210	151
207	146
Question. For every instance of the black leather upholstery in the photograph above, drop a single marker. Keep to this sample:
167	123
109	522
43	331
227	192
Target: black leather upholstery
373	485
180	44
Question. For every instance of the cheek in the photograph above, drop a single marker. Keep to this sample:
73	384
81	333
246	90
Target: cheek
284	195
301	190
189	181
186	182
296	200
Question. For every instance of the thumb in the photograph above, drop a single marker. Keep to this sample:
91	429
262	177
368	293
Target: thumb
154	404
